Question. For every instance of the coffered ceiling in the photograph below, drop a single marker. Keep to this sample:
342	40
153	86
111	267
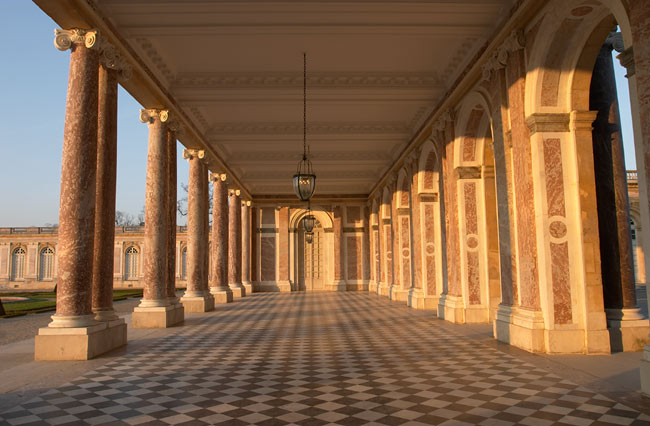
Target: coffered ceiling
376	69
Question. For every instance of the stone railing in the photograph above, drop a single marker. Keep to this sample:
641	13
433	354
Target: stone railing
632	176
33	230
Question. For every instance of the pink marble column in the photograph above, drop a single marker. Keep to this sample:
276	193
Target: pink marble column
78	183
171	214
246	246
105	197
205	233
234	244
219	285
195	225
156	225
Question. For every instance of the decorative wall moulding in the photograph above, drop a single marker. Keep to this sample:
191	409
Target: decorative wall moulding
313	128
413	80
548	122
468	172
429	198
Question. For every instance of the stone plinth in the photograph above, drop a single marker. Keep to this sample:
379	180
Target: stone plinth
452	309
198	303
522	329
277	286
221	295
336	285
399	294
157	316
628	330
79	343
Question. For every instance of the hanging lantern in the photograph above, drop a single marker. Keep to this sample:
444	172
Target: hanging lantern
308	223
304	181
309	237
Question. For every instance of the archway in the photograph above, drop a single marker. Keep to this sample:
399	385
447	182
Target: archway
312	265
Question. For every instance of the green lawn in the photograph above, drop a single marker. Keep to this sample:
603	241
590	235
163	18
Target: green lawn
43	302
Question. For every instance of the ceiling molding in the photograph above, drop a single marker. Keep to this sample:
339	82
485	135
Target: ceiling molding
296	128
353	80
378	156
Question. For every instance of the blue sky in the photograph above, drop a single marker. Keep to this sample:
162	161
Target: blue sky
33	83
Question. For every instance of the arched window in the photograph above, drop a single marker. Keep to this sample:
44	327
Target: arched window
46	266
18	264
184	263
131	261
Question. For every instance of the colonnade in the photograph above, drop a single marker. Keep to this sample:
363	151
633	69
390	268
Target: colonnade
85	324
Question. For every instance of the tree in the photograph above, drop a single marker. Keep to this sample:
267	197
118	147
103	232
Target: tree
2	309
125	219
181	205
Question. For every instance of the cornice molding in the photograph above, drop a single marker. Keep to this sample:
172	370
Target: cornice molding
321	156
246	128
414	80
157	61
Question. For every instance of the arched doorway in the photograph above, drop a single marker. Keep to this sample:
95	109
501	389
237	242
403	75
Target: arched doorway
311	258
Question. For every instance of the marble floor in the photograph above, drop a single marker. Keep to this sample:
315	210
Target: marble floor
320	359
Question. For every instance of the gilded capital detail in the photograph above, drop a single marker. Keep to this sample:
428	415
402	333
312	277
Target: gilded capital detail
151	115
64	39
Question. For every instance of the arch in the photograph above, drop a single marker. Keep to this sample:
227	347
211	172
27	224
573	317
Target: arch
319	213
428	169
558	79
403	190
474	119
18	255
131	263
46	263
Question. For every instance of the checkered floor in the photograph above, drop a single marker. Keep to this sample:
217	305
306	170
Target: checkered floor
319	359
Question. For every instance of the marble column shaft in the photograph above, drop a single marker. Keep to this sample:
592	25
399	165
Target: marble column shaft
205	233
171	212
195	227
338	239
234	239
102	284
219	235
156	226
246	242
617	260
78	181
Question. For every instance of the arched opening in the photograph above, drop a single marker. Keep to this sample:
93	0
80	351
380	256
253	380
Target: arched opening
586	269
46	264
184	263
131	263
18	264
311	258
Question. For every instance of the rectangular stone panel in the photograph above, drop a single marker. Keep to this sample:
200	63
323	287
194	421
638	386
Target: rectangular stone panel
268	216
4	261
268	257
353	246
472	243
429	249
353	215
405	251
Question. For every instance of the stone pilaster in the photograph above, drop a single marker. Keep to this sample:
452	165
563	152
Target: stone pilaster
73	332
219	285
338	284
284	282
246	246
155	309
234	244
197	298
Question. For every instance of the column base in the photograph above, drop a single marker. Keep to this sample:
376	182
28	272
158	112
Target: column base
198	304
79	343
337	285
274	286
628	330
451	308
383	289
361	286
238	290
221	295
398	294
417	300
645	371
521	328
248	286
372	286
158	316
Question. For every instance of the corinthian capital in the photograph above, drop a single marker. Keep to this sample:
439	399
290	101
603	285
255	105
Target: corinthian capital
151	115
64	39
189	154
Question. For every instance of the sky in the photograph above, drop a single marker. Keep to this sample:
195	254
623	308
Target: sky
33	84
